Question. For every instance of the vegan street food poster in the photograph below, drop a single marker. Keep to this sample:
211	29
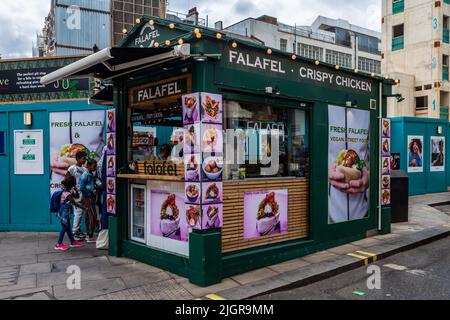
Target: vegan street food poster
348	164
168	215
437	154
415	153
265	213
71	132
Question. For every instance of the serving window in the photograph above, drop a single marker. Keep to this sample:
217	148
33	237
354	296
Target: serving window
255	126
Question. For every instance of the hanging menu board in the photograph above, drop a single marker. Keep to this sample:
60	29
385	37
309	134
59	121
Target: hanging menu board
385	192
111	161
203	152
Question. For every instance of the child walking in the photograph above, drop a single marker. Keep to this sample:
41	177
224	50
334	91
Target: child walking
87	188
67	202
77	171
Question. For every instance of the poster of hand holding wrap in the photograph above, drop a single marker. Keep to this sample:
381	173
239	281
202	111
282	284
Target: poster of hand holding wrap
71	132
348	164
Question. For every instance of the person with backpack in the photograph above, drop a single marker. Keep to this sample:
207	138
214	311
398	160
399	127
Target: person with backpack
88	190
62	203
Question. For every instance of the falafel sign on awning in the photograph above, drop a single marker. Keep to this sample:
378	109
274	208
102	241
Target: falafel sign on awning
298	71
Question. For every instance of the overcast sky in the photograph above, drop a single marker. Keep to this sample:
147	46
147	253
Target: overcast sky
20	20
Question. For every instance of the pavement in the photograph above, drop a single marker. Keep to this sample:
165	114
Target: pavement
417	274
31	269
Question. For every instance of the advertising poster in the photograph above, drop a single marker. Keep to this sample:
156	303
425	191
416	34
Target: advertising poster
265	213
415	153
348	164
212	216
111	185
111	143
192	167
29	152
193	193
212	168
111	203
71	132
191	108
211	108
212	138
168	218
111	158
395	161
192	138
212	192
385	165
386	197
111	120
111	166
386	128
386	147
437	154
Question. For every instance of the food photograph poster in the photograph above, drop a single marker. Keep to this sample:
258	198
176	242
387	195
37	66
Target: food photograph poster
415	153
71	132
265	213
437	149
348	164
168	218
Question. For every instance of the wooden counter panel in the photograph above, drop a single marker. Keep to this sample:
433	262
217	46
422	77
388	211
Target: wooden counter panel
233	212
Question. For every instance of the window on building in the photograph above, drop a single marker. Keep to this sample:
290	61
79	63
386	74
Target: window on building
398	37
368	44
258	120
445	30
369	65
398	6
283	44
421	103
308	51
445	67
340	58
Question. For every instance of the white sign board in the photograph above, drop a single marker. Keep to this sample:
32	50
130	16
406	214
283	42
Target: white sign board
28	152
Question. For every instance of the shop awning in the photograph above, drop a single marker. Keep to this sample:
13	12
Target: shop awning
113	62
103	98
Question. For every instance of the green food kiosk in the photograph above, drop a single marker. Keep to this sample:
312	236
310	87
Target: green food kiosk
230	156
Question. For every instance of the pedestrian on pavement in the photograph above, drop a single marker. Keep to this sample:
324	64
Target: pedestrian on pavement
88	190
67	203
77	171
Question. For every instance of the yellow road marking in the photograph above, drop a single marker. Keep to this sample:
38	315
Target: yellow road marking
357	256
198	299
368	254
215	297
366	260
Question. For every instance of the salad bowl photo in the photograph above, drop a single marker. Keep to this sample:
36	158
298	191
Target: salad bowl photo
192	192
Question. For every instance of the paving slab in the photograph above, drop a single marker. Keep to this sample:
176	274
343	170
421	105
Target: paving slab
85	264
366	242
78	253
289	265
39	296
60	278
347	248
255	275
22	283
164	290
319	257
199	292
253	289
18	260
23	292
89	289
35	268
132	280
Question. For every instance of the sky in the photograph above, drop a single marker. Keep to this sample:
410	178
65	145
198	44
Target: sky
20	20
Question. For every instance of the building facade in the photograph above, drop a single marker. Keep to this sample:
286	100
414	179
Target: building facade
79	26
329	40
416	49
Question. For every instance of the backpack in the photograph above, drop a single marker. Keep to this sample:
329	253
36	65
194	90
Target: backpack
55	201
